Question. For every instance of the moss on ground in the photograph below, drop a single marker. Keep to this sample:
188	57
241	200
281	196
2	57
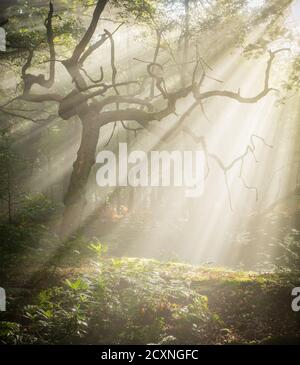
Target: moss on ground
138	301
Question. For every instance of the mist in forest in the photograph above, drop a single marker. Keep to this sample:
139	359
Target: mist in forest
246	145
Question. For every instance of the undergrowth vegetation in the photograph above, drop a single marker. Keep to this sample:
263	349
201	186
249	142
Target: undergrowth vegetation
138	301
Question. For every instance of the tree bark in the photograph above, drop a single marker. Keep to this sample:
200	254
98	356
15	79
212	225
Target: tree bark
75	199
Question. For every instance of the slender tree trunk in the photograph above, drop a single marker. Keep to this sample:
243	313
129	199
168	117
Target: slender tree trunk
9	199
186	42
75	199
118	188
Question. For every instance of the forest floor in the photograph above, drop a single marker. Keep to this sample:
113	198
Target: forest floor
139	301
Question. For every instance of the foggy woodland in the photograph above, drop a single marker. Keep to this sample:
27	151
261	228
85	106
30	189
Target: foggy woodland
89	264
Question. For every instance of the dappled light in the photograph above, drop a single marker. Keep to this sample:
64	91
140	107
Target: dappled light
148	237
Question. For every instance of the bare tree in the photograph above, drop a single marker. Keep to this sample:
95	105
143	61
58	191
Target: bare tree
89	97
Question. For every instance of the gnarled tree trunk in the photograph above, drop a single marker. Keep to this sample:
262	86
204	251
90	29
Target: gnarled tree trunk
75	199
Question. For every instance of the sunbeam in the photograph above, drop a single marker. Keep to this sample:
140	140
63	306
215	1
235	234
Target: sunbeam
149	172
